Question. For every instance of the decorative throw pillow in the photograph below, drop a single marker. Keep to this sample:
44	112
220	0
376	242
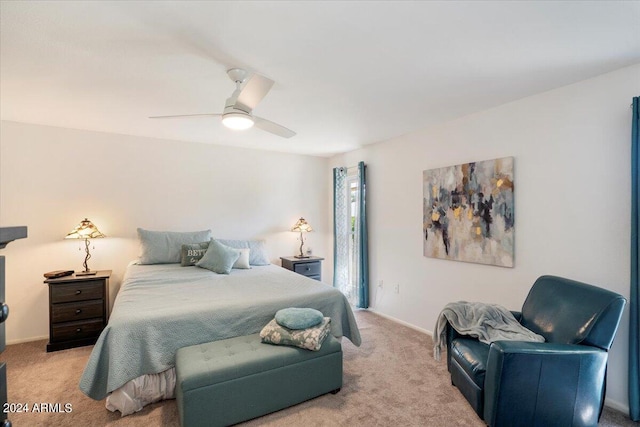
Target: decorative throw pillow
243	261
165	247
258	254
298	318
309	339
192	253
219	258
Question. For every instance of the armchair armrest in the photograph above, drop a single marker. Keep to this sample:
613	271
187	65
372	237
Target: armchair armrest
531	383
451	334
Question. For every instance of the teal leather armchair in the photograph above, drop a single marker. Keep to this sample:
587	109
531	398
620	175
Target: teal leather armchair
560	382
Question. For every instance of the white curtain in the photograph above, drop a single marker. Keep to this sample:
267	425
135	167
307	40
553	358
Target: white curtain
341	232
351	261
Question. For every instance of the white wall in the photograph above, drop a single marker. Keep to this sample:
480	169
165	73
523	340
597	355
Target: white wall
51	178
572	189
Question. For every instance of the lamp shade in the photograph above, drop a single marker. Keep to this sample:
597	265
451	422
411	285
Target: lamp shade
85	230
302	226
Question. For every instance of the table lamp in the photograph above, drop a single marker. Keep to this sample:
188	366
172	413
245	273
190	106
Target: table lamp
85	230
302	227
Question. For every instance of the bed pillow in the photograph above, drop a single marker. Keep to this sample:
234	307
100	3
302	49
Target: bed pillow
258	254
298	318
243	260
165	247
219	258
192	253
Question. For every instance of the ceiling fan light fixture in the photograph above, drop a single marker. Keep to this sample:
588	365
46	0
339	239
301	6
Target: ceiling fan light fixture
237	121
238	107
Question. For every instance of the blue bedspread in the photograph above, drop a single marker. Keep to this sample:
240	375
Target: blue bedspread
161	308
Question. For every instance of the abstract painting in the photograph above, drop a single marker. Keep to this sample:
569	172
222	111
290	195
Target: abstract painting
468	212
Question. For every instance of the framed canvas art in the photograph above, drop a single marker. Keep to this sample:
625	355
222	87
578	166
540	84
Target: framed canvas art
468	212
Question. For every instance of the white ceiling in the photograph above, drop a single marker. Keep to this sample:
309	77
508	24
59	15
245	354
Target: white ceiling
347	73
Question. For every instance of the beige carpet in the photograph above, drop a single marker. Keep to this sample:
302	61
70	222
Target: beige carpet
391	380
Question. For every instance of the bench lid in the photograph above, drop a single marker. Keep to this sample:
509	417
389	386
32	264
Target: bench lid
215	362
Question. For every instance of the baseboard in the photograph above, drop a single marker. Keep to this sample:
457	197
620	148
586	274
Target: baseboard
402	322
24	340
616	405
607	402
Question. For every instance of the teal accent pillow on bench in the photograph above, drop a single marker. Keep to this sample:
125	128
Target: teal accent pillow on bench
298	318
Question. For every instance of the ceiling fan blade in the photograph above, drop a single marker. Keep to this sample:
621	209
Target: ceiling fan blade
253	92
186	115
273	128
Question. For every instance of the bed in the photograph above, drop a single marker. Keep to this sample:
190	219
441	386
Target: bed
161	308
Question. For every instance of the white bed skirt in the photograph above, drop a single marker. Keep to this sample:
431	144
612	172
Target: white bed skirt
142	391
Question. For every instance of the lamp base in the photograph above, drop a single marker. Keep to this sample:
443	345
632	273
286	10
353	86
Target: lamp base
301	256
87	273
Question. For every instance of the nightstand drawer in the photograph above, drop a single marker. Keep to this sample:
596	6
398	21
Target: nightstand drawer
71	311
307	268
76	330
77	291
310	267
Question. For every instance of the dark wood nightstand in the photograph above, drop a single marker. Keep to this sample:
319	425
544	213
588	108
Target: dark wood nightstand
310	267
78	309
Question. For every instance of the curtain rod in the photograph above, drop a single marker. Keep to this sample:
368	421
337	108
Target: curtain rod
349	167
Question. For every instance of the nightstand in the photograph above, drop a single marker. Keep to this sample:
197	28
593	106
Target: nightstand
310	267
78	309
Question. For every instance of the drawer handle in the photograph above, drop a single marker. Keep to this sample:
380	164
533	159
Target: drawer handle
78	292
308	268
4	312
78	330
78	311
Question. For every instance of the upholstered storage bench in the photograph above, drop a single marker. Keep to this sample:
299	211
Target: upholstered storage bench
233	380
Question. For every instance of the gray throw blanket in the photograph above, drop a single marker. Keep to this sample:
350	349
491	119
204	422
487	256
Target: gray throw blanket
487	322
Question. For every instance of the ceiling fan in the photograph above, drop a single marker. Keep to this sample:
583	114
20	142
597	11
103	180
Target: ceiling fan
237	109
